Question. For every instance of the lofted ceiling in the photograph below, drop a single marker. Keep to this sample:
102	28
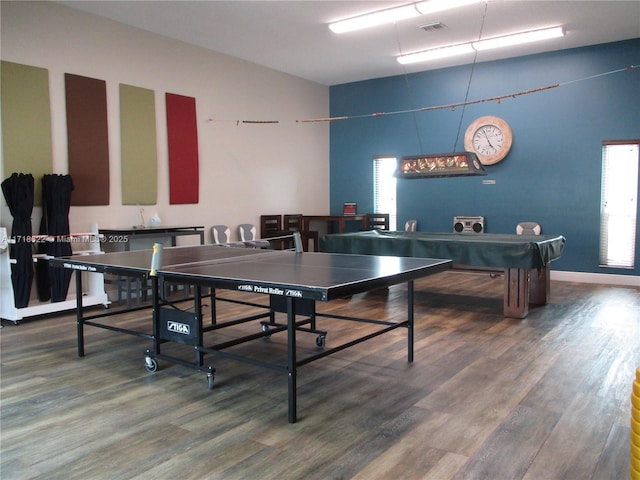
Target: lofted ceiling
293	37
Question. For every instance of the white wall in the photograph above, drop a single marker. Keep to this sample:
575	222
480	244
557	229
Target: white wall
245	170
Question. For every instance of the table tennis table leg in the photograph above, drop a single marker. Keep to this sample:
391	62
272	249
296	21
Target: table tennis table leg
410	299
291	358
155	313
214	311
79	314
197	302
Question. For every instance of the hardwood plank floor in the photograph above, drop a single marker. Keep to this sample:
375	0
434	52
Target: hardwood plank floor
487	397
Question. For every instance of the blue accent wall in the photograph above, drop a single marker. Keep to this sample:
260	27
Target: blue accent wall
552	173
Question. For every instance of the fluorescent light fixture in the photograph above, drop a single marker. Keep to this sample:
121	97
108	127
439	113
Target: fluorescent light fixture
433	6
518	38
375	18
391	15
436	53
497	42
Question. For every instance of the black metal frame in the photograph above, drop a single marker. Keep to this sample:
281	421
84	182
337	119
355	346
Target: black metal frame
83	320
292	326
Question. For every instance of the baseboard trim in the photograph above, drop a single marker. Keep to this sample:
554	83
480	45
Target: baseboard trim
602	278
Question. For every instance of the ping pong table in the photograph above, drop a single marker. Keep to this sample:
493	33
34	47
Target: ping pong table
294	282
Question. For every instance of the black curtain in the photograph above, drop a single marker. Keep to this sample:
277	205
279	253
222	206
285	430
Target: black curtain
53	283
18	192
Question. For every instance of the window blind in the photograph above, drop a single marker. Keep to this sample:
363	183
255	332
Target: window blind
618	204
384	188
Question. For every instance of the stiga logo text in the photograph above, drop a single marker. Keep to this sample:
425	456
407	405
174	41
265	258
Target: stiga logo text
181	328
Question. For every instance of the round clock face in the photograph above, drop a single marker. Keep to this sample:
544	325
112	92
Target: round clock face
490	138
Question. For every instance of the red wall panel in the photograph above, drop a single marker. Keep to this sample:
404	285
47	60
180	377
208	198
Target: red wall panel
182	135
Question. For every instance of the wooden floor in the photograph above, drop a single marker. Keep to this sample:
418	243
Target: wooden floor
547	397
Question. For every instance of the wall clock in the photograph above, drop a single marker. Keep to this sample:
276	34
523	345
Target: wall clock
490	138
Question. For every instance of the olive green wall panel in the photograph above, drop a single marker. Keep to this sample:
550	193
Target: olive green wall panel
26	122
139	152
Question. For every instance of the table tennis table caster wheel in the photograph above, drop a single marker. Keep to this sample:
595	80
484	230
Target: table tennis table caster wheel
265	329
150	364
210	380
320	341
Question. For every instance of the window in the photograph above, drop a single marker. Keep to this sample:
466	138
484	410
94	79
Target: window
618	204
384	188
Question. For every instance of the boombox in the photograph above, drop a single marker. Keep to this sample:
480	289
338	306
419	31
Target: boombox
468	224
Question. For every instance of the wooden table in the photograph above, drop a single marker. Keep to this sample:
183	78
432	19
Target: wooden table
332	220
125	235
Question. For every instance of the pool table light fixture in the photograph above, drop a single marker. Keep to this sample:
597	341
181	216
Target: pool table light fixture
458	164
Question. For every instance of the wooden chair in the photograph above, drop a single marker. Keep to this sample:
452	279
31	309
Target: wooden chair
293	222
270	227
376	221
270	224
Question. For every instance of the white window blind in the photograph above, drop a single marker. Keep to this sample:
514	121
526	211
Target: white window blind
618	204
384	188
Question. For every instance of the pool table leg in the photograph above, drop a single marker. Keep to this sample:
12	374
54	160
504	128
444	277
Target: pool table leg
540	285
522	287
516	292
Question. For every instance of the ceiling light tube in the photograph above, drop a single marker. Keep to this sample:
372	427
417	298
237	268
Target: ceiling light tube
375	18
519	38
395	14
436	53
461	49
433	6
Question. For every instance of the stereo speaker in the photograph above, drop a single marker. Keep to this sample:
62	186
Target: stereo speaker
468	224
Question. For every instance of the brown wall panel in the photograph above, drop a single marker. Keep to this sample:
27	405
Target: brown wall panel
88	139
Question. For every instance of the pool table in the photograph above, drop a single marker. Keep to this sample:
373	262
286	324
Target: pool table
524	259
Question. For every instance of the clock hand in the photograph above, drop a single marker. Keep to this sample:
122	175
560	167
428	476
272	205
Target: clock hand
487	137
